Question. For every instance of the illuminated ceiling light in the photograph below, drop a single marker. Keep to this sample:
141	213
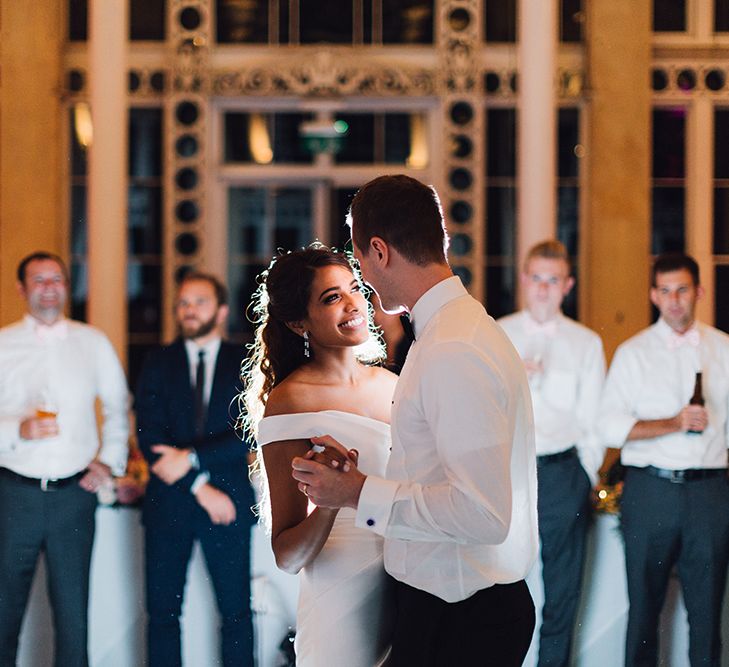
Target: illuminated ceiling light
82	125
418	158
259	139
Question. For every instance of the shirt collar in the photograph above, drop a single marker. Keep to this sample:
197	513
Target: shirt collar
47	332
548	328
667	334
433	300
210	349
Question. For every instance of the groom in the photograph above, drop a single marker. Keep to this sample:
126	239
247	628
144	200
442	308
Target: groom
458	505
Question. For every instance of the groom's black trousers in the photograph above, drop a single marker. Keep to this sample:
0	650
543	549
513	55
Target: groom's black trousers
492	628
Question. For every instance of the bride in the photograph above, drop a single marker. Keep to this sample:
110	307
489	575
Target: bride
307	372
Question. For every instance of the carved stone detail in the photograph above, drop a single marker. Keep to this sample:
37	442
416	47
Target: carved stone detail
324	75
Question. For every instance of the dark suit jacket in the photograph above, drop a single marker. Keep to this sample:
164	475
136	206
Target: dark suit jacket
164	404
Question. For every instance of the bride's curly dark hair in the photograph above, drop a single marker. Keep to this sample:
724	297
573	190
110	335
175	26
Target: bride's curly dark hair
276	352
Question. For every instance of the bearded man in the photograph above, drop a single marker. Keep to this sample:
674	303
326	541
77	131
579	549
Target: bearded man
199	488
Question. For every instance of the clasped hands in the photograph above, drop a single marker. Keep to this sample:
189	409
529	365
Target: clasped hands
173	464
328	474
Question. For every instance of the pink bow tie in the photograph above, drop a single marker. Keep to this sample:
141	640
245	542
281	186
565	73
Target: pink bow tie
57	331
691	337
533	328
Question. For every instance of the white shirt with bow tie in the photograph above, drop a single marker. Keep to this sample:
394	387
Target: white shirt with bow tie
652	376
69	364
566	394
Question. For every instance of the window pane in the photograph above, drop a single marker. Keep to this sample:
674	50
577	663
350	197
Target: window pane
242	284
145	220
501	142
568	215
78	221
669	15
500	20
147	20
668	143
721	142
567	139
359	144
265	138
721	221
721	296
78	12
145	143
338	229
242	22
397	138
293	213
287	145
571	21
144	294
500	290
500	221
247	221
237	142
721	15
79	290
668	216
407	21
325	21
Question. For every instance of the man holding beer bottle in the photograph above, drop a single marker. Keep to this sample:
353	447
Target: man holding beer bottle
673	433
52	371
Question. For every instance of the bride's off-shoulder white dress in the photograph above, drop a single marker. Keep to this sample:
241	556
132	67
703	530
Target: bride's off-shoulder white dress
344	611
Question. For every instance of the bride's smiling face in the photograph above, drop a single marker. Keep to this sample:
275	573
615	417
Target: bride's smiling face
337	311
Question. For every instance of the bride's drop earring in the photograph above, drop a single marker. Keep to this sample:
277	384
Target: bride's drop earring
307	352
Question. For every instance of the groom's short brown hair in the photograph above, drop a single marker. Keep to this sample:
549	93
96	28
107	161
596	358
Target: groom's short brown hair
404	213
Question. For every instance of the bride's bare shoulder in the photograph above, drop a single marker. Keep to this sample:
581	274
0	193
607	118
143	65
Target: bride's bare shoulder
383	376
286	398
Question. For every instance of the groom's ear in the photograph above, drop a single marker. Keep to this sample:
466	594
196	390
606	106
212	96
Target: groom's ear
380	250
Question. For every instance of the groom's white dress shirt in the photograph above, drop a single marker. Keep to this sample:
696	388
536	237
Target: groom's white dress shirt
72	364
458	507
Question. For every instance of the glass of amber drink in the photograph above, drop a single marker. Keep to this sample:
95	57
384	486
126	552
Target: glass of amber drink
46	406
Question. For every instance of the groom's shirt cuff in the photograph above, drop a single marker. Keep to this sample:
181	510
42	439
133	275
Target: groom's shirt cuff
375	504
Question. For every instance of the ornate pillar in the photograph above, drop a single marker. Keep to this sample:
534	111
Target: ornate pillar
185	146
107	174
462	188
32	211
615	253
536	125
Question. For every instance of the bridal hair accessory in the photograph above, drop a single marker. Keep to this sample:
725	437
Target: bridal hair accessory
307	352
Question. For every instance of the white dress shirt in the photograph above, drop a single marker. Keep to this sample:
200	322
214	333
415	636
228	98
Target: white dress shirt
70	364
650	380
211	350
566	394
458	505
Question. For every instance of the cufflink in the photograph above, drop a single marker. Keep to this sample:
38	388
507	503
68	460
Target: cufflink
370	522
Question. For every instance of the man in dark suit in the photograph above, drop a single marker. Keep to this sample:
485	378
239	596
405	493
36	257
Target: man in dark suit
198	488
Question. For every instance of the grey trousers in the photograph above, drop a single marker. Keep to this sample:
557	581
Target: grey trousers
61	524
665	525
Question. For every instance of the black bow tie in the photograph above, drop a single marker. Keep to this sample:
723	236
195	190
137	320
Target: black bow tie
407	327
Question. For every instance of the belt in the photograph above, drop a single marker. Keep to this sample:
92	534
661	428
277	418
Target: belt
683	476
44	483
546	459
